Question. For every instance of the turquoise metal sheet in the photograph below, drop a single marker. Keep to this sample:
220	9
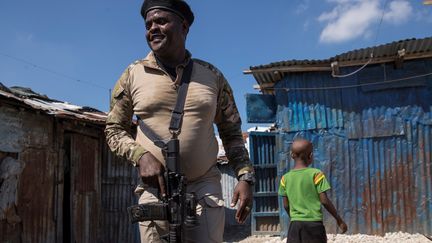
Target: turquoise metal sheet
260	108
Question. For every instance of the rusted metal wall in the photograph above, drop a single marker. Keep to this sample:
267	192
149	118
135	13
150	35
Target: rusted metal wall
28	173
85	176
119	179
374	144
37	153
229	181
36	197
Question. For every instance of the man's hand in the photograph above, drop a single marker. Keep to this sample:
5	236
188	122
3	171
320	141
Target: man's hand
342	226
151	172
242	192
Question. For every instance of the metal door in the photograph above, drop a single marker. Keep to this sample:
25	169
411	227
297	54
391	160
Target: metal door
85	188
265	212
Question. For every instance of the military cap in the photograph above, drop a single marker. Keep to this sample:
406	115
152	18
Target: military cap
179	7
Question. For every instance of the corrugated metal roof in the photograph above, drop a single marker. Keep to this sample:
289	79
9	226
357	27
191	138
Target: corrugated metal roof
267	75
30	99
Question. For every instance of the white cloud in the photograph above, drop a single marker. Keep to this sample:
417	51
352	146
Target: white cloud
348	22
339	1
302	7
329	16
399	12
350	19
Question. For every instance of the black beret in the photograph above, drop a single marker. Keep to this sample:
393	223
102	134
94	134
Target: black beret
179	7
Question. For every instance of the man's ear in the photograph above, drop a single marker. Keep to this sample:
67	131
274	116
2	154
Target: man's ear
185	27
292	155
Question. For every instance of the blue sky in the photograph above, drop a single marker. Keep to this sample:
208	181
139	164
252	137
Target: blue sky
94	41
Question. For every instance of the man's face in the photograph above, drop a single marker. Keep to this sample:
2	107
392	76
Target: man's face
166	32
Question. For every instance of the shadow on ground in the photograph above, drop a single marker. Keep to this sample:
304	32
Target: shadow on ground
233	231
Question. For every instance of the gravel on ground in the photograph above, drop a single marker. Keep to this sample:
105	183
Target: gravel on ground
398	237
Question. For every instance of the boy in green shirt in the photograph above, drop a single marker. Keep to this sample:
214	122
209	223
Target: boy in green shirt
304	190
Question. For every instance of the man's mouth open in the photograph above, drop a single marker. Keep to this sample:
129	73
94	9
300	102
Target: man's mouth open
157	38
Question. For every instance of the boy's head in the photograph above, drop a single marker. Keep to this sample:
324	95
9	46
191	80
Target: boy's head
301	151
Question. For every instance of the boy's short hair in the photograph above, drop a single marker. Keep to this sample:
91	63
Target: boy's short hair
301	148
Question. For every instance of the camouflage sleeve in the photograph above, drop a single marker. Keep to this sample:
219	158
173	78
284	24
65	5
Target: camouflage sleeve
228	123
119	122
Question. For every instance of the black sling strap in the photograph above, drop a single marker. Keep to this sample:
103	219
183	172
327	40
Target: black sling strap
177	113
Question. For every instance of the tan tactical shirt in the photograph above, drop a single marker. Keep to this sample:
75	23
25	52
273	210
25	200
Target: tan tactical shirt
147	90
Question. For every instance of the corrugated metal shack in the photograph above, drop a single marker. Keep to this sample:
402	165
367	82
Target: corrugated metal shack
229	181
371	130
58	180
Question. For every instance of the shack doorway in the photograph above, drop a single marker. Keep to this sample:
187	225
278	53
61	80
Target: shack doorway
81	187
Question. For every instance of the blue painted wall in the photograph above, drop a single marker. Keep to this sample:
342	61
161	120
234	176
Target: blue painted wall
373	142
265	211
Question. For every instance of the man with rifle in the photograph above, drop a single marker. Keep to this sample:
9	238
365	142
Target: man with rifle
153	89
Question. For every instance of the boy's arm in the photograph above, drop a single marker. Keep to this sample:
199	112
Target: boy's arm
325	201
286	205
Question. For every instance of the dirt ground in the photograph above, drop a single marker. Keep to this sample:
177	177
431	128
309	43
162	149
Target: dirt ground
398	237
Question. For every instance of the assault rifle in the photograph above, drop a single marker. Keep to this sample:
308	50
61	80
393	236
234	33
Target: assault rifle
178	207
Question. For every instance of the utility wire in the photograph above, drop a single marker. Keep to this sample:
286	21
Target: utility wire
350	86
356	71
372	54
380	23
54	72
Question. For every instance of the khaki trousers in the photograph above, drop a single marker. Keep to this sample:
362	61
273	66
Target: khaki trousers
210	211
